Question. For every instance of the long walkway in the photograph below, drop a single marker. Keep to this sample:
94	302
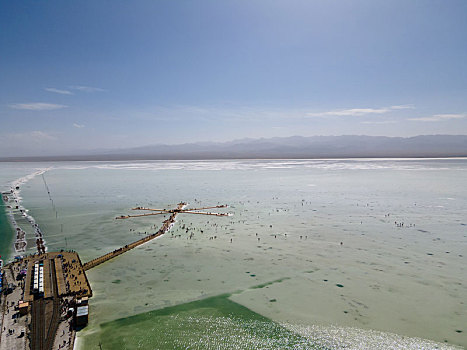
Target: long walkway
49	340
165	227
38	324
45	315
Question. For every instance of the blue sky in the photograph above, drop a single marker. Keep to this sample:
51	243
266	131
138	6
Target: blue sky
78	75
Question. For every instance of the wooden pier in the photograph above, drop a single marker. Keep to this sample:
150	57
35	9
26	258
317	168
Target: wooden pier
165	227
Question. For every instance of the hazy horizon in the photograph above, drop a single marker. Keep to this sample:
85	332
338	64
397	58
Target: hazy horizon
294	147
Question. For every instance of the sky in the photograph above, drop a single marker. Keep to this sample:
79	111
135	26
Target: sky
92	75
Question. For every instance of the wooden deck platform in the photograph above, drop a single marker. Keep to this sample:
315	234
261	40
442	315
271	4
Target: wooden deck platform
71	278
61	284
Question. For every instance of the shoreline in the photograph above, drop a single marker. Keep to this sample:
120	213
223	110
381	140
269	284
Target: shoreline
28	312
7	234
12	206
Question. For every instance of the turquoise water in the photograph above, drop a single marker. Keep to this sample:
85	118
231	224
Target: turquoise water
386	281
10	172
6	235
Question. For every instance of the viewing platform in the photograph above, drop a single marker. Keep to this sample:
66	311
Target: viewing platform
71	279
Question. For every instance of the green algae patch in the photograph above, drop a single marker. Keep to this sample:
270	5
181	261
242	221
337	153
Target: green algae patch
211	323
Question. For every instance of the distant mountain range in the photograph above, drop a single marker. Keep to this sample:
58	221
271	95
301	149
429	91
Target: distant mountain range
295	147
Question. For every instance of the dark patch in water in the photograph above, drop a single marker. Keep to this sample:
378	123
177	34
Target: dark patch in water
340	285
253	275
259	286
458	331
116	281
272	300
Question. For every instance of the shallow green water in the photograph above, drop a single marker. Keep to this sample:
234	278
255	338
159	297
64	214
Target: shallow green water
10	172
211	323
6	235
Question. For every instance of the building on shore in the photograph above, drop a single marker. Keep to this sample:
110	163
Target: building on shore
39	290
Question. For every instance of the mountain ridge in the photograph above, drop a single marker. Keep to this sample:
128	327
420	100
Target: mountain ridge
292	147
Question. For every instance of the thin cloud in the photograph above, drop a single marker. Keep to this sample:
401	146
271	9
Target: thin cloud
214	113
403	107
357	112
439	117
41	136
37	106
379	122
86	88
79	126
58	91
35	136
